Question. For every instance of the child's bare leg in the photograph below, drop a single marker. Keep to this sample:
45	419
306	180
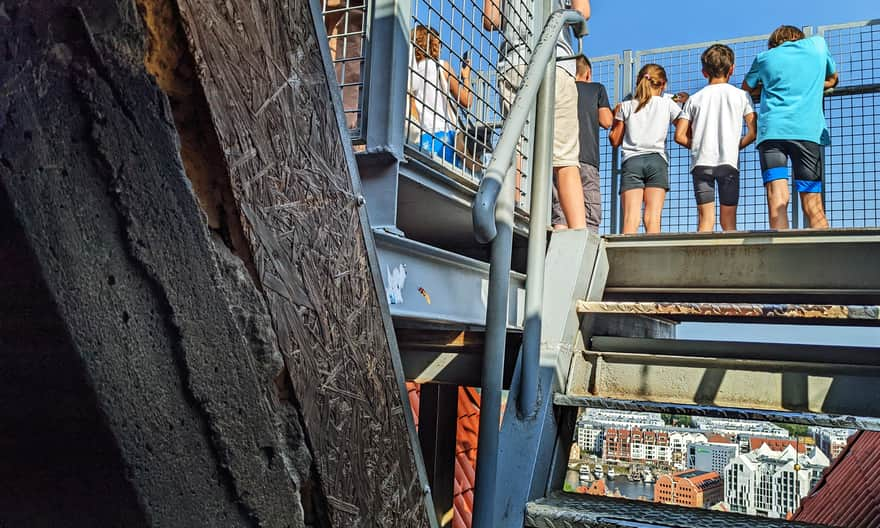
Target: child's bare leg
571	196
654	197
778	196
706	217
728	217
632	210
813	210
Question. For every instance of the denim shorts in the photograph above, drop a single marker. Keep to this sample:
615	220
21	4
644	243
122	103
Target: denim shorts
645	170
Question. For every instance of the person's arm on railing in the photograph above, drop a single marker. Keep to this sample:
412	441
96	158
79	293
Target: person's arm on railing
492	15
751	132
831	81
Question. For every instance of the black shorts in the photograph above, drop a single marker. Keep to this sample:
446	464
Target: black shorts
728	184
645	170
806	162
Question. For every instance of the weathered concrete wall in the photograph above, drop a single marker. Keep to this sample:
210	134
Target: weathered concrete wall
138	383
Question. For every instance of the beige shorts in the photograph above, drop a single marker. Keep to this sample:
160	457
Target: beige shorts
566	147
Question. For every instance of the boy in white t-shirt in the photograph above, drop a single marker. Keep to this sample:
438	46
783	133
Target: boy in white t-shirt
711	124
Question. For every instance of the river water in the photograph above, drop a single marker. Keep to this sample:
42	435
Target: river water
630	490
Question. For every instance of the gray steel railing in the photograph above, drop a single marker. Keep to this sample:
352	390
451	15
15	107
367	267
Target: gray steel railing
493	222
346	23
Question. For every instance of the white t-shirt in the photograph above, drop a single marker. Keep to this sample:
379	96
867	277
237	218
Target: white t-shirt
716	114
647	129
518	17
430	90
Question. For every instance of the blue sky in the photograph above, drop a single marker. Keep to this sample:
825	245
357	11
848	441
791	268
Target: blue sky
646	25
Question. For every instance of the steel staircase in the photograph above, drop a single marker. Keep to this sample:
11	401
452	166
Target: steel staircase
616	349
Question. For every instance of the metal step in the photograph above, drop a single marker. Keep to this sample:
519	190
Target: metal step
816	267
733	413
826	314
738	350
571	510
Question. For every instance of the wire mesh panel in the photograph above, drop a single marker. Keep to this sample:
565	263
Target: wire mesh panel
464	55
684	71
346	31
606	71
851	162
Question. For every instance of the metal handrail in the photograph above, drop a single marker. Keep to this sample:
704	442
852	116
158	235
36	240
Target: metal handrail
502	158
493	222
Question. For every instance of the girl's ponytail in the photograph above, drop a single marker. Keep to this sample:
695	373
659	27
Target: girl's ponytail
651	76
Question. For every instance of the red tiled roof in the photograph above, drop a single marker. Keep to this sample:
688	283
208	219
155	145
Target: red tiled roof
776	444
465	450
848	495
719	439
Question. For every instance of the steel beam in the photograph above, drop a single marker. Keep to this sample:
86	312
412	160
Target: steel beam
429	285
769	385
827	266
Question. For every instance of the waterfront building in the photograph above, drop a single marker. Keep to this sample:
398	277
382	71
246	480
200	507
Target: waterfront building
691	488
590	437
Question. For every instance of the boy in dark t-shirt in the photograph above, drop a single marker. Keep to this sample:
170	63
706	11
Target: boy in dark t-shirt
594	110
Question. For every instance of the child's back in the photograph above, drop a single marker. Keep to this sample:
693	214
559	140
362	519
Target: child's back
716	119
648	128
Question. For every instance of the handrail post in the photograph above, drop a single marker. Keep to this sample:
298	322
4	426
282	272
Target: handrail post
493	221
530	354
493	359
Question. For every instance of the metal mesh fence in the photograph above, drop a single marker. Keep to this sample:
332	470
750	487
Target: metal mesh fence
684	70
606	71
851	111
346	32
461	57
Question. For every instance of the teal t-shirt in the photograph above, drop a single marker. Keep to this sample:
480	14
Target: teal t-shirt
793	75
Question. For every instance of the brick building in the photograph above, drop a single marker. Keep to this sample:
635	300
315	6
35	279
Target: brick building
637	445
690	488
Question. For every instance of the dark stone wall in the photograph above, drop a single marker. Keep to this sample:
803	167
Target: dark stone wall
138	383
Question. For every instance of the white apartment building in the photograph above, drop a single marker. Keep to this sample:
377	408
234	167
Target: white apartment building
589	438
772	483
621	419
711	456
732	428
831	440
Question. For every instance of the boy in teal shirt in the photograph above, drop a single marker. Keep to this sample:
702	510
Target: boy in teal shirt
791	77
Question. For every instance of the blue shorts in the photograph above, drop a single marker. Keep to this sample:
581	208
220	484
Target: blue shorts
806	163
442	145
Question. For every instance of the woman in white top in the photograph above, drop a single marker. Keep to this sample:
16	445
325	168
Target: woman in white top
641	126
435	94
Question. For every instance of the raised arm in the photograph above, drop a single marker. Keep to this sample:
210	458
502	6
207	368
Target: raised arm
683	132
460	89
492	15
751	130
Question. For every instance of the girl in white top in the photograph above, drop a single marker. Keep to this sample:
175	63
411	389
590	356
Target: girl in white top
435	92
641	126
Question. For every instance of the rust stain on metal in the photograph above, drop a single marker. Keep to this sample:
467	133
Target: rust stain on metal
784	311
